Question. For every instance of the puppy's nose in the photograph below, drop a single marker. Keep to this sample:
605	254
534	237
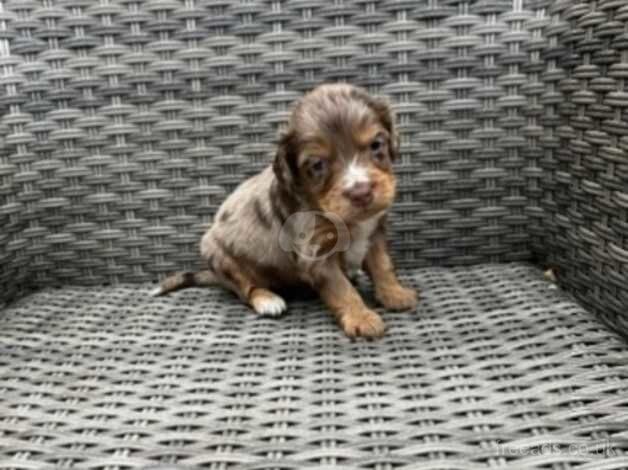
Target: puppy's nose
360	194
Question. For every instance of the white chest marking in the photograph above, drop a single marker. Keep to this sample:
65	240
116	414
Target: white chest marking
360	243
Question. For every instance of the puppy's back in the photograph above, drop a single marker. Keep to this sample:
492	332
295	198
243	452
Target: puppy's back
246	225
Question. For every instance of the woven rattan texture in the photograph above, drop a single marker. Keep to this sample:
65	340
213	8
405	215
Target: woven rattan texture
578	168
125	123
495	369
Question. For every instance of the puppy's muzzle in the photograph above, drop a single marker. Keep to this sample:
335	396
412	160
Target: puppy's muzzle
360	194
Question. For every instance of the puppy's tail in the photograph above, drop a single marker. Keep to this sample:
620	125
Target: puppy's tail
182	280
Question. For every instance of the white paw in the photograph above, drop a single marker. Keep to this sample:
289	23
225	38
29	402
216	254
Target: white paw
156	292
271	306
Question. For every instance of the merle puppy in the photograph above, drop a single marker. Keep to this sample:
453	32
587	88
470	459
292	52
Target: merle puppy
335	161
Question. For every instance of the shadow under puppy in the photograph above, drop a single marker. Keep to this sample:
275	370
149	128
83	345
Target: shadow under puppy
315	216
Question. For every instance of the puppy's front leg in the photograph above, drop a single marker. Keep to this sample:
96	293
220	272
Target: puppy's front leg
344	301
388	291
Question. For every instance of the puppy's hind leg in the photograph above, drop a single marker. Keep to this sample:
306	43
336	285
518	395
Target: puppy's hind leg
241	281
266	302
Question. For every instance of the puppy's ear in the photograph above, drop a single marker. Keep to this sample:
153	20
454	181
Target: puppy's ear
384	112
285	164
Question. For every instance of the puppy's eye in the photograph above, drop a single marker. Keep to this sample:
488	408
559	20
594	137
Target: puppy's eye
377	149
376	145
317	168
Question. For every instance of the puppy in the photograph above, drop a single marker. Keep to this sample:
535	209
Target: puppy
313	217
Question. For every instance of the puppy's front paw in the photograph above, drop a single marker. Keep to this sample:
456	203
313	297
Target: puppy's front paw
362	323
397	298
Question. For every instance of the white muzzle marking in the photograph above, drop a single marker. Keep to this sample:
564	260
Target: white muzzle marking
355	174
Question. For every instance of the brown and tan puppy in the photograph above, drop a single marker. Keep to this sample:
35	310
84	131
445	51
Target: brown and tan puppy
315	216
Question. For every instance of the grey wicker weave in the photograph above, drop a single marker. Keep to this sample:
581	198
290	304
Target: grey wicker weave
124	123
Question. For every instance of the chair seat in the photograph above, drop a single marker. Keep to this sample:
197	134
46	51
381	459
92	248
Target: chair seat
496	368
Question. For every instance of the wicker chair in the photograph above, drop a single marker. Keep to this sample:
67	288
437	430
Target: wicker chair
123	124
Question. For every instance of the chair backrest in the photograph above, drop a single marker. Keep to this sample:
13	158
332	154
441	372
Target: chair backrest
125	124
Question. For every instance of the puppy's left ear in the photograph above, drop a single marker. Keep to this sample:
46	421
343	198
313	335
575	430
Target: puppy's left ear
386	115
285	163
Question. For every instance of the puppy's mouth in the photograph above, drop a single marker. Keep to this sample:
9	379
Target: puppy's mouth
363	207
363	211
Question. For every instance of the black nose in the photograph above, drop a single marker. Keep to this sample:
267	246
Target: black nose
360	194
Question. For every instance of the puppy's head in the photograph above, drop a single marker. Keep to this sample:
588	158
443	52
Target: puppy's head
338	151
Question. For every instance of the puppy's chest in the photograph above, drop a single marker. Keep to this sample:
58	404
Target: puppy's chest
359	246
